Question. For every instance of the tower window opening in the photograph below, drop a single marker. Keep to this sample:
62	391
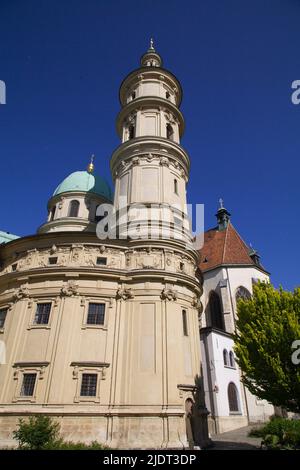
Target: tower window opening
14	266
175	186
73	209
52	260
184	323
101	261
3	313
131	131
181	266
170	132
133	95
168	95
52	213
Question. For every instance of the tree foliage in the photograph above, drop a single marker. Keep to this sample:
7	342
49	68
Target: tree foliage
37	432
267	326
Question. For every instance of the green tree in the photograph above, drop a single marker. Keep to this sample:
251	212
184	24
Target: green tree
267	326
36	433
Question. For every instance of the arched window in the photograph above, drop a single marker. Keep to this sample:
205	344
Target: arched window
52	213
133	95
73	209
225	357
131	131
242	293
231	359
175	186
216	316
233	397
170	132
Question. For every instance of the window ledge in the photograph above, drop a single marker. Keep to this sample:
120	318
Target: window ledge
39	326
94	327
235	413
230	367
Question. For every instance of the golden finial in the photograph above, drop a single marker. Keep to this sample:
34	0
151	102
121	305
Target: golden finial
90	167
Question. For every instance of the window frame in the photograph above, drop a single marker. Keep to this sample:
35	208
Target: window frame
96	313
36	312
225	357
90	374
72	201
32	306
22	369
236	398
78	371
85	305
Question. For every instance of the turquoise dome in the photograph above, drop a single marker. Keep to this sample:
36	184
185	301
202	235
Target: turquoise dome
86	182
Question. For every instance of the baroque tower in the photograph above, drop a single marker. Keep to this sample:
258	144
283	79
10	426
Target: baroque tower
159	329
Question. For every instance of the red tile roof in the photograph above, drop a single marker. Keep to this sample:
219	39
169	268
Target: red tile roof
224	247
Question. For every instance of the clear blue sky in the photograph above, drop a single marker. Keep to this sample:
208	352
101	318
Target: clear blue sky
63	62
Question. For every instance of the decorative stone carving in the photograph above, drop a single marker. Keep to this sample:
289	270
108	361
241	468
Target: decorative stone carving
124	294
70	289
135	161
150	157
168	294
164	161
102	249
197	303
53	249
60	204
22	293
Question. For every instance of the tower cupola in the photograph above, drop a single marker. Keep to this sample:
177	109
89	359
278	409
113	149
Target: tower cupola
223	216
151	58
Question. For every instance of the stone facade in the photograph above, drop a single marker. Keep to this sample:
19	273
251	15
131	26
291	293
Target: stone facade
144	354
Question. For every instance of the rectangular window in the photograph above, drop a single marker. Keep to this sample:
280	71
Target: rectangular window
42	314
96	314
28	384
101	261
184	323
14	267
3	313
175	186
52	260
88	385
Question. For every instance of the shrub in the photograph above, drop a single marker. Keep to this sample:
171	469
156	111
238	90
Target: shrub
279	433
42	433
36	433
69	445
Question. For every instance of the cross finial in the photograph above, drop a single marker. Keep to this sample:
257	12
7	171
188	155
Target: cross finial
90	167
221	203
